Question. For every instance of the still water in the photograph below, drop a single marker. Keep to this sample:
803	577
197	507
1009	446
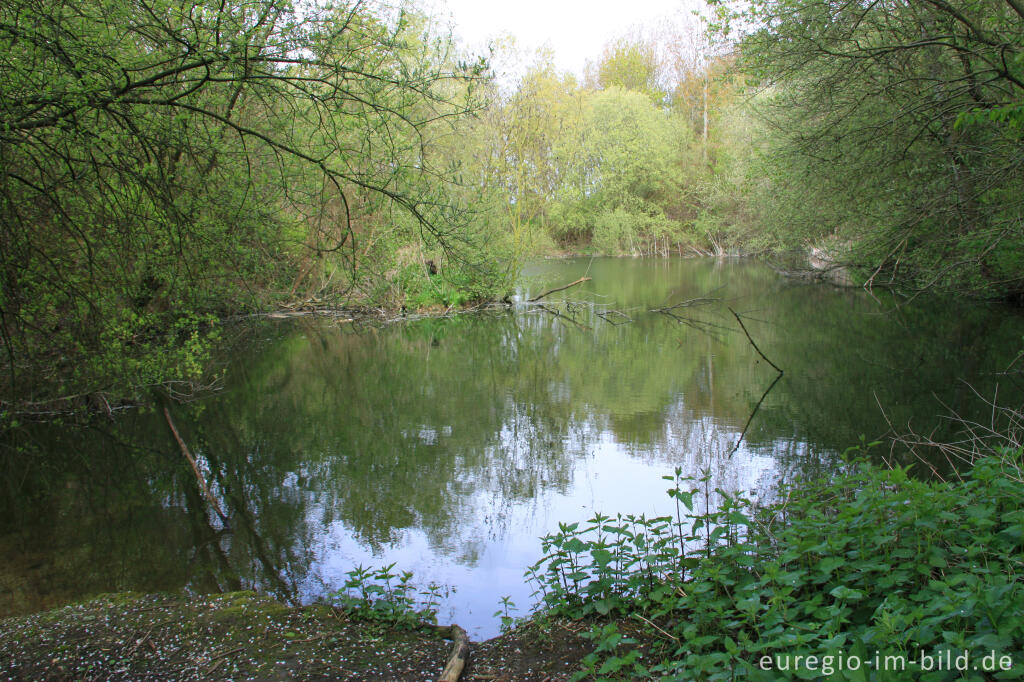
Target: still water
449	446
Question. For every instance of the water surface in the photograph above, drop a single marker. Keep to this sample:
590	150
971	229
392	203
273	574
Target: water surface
449	446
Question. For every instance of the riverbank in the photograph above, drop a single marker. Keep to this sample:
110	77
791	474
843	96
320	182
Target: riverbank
243	635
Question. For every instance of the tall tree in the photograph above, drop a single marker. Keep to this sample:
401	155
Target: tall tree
163	160
632	63
898	126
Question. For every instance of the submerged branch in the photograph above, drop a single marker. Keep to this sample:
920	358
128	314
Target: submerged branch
560	316
767	390
744	328
551	291
195	469
685	304
607	317
752	414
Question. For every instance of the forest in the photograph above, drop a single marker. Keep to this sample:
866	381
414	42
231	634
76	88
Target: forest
167	166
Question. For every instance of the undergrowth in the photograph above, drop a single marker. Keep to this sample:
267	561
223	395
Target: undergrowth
386	597
870	568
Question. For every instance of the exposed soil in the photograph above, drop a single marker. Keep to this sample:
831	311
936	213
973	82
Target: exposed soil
244	636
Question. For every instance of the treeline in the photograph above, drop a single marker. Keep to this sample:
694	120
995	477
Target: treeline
630	160
886	137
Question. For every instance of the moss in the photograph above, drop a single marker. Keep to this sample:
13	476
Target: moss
237	608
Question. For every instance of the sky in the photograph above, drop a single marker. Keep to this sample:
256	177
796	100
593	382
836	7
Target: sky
576	30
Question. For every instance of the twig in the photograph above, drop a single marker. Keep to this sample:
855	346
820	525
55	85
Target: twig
700	325
743	327
559	315
217	659
897	438
195	469
685	304
227	653
551	291
605	316
667	634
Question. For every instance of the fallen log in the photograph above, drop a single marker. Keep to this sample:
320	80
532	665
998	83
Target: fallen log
460	653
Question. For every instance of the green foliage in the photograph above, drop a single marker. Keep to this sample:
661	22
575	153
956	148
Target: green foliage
871	560
632	64
625	172
613	166
389	598
505	614
604	661
165	162
894	133
450	289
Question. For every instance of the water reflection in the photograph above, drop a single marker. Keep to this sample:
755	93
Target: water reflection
450	446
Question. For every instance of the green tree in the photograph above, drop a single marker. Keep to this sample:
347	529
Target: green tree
895	130
160	162
628	174
632	63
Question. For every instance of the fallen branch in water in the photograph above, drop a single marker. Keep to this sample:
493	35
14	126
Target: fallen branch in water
457	661
195	469
685	304
704	299
551	291
607	317
560	316
767	390
751	417
743	327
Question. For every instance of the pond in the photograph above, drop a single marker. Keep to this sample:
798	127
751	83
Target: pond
449	446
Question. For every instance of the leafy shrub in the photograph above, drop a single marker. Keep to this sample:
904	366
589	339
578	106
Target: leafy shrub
870	563
383	596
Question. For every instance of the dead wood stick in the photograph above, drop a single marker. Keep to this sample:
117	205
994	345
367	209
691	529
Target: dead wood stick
227	653
743	327
559	315
551	291
457	661
684	304
195	469
653	625
607	314
752	414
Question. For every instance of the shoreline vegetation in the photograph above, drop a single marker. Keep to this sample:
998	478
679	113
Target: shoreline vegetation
871	564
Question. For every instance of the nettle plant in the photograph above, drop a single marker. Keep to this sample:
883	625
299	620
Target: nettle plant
384	596
868	564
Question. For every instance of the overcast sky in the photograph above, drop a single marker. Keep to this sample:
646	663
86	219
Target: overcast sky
576	30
